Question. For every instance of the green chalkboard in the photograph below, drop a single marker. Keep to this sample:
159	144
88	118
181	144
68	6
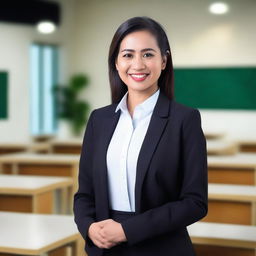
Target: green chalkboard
216	88
3	94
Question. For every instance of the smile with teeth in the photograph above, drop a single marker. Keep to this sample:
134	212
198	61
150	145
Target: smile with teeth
139	76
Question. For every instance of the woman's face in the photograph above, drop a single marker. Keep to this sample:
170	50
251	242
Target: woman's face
139	62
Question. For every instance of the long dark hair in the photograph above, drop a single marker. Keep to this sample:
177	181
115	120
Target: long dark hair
166	79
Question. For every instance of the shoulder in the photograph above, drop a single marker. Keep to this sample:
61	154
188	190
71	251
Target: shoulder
183	111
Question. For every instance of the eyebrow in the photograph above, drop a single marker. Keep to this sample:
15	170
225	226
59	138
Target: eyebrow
143	50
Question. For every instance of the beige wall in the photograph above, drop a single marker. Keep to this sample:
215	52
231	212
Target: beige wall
197	38
15	41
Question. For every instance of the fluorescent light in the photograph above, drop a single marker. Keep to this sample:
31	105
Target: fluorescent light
218	8
46	27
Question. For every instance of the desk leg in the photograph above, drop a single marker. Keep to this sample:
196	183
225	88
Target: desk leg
64	200
78	247
70	200
15	169
50	151
61	251
74	248
254	214
255	176
43	203
75	169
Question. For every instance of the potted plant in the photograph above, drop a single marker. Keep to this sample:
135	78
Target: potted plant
69	107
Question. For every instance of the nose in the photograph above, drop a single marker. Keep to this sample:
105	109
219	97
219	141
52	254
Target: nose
138	63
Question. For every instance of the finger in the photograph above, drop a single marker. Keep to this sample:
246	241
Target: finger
100	243
102	231
96	242
101	224
101	237
105	241
108	245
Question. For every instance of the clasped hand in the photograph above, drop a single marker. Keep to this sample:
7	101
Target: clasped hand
106	233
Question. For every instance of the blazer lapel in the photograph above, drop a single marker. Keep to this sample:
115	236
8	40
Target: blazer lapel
107	125
155	130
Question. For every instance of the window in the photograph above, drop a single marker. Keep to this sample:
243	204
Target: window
44	74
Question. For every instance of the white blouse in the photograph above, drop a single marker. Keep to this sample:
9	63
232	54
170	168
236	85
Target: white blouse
123	152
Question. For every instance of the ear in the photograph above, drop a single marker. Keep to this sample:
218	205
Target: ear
164	62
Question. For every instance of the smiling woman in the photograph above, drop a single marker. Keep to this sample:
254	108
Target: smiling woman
140	60
146	39
143	165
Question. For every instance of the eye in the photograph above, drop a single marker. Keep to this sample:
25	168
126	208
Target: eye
127	55
148	54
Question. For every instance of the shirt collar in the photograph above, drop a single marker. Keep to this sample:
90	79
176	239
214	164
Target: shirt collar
147	105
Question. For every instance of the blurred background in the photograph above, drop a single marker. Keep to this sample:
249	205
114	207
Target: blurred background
53	75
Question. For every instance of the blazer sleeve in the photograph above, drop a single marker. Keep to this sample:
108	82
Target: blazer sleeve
192	203
84	203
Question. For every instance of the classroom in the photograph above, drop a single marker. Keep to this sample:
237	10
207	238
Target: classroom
55	72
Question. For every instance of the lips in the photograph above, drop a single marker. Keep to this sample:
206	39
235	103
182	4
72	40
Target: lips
139	76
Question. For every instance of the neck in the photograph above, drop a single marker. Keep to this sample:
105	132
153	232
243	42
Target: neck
136	97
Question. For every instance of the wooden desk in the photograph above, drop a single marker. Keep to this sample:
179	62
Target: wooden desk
235	204
36	234
211	239
34	194
221	147
235	169
70	146
42	164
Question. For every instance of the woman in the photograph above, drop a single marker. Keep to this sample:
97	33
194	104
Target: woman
143	165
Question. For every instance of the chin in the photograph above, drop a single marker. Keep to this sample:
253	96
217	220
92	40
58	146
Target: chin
140	88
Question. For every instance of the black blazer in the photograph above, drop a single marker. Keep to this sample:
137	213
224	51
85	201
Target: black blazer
171	181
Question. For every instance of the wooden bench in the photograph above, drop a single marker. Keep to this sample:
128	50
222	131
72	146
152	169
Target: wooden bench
35	194
232	169
234	204
36	234
211	239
